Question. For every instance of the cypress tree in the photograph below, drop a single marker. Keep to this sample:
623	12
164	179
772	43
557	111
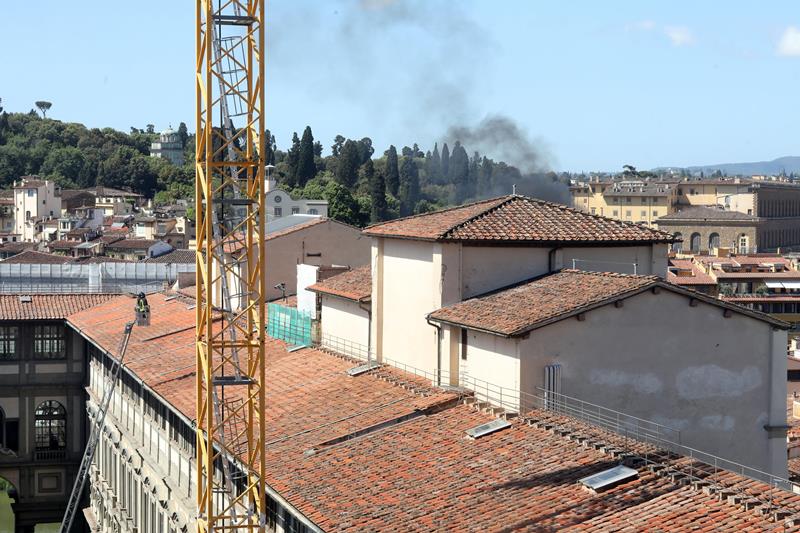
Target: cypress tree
436	164
392	172
409	186
377	192
485	177
306	169
292	160
445	162
347	166
459	172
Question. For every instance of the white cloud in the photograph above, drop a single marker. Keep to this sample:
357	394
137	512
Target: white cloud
789	44
679	35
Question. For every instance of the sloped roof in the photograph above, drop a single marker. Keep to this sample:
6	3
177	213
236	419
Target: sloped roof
355	284
31	256
516	310
520	219
708	213
48	306
175	256
423	474
132	244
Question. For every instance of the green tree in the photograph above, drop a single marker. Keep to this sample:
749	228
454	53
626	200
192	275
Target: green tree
445	162
459	173
64	165
365	150
150	128
306	169
338	142
183	134
293	160
392	171
409	186
485	177
341	204
347	165
435	171
44	107
377	192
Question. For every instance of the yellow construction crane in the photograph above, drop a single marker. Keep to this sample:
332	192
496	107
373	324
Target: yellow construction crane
231	313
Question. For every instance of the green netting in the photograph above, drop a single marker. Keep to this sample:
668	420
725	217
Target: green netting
288	324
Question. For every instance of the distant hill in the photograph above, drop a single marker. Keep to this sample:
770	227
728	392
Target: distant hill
788	164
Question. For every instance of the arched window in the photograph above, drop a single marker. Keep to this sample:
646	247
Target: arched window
713	241
51	426
694	242
677	246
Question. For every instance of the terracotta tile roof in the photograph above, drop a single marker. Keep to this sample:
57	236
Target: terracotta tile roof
48	306
31	256
355	284
175	256
131	244
698	275
521	308
516	219
62	245
109	239
27	182
233	244
16	247
423	474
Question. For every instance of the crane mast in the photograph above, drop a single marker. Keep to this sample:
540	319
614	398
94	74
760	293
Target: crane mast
230	280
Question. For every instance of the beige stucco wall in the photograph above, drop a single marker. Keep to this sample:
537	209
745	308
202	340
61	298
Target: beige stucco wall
410	286
345	324
649	260
336	244
718	380
489	268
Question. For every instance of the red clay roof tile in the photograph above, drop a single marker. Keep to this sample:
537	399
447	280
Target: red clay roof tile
516	219
423	474
48	306
355	284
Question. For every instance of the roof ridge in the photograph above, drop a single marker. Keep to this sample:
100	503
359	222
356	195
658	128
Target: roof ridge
607	274
445	210
486	212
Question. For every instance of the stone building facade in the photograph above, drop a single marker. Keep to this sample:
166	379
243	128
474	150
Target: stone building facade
706	228
42	407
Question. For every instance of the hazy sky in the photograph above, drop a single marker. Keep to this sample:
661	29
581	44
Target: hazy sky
595	84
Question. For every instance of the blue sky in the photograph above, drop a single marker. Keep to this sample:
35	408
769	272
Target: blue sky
593	85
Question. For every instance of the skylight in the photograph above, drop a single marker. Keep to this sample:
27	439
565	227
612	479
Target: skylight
487	428
608	478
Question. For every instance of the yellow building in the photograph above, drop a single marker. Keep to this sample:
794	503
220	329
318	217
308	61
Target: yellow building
636	201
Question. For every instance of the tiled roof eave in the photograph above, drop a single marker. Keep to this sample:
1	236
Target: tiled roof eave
555	318
621	296
343	296
546	243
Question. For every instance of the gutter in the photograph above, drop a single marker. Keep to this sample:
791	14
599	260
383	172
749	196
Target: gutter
438	349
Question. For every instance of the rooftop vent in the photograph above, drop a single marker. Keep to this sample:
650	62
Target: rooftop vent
24	299
489	427
608	478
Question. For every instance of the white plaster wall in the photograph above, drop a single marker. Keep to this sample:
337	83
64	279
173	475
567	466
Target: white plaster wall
488	268
492	368
650	259
410	286
306	300
718	380
344	321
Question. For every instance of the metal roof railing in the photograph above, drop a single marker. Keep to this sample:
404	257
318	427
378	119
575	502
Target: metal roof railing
656	445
